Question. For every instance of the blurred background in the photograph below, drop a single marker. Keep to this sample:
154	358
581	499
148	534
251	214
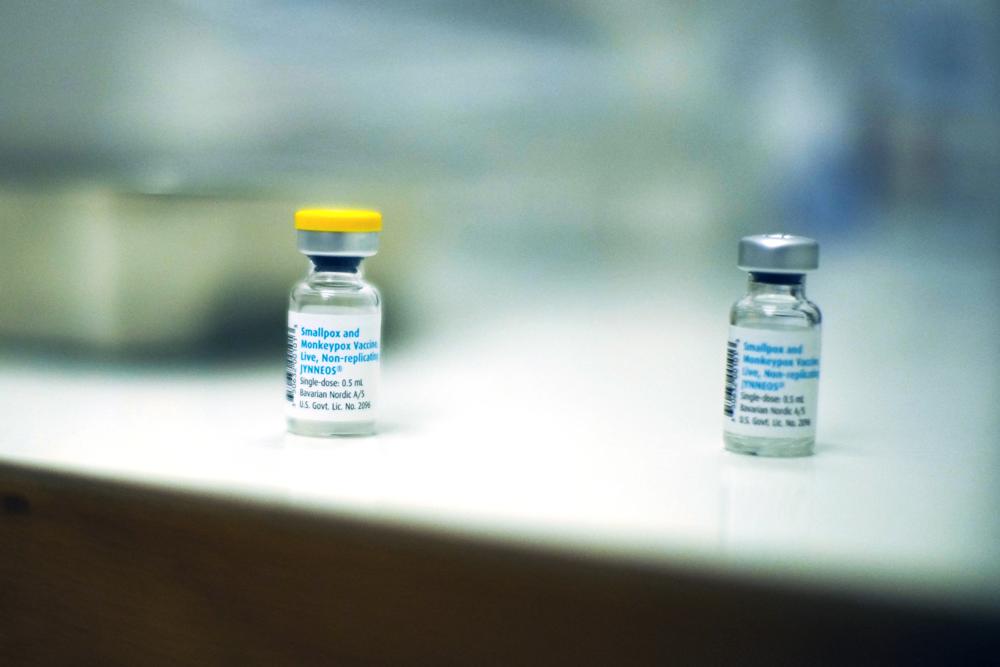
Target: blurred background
151	153
563	187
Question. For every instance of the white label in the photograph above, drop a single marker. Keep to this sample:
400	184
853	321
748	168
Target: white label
332	372
772	382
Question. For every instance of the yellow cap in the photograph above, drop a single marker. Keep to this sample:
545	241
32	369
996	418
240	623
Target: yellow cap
337	220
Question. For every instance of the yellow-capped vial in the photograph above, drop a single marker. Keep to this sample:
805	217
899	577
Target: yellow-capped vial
334	326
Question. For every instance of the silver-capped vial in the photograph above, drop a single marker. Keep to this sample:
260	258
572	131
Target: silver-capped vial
773	353
334	326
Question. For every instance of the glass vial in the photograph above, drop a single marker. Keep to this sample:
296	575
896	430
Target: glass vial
773	353
334	326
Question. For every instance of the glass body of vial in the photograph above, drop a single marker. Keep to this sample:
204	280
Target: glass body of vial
334	327
773	352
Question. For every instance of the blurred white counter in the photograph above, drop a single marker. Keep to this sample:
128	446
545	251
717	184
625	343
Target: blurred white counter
594	425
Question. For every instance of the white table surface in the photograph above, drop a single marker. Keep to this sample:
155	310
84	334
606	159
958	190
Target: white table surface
591	422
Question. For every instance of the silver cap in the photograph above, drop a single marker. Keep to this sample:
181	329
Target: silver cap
338	244
778	253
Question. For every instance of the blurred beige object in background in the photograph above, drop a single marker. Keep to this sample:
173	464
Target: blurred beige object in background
94	267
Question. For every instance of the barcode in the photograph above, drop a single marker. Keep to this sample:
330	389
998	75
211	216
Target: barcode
729	406
293	350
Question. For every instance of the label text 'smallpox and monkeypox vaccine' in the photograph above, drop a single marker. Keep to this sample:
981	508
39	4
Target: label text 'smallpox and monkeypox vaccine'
772	358
334	326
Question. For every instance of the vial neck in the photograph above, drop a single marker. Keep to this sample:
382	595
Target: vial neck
347	266
787	284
